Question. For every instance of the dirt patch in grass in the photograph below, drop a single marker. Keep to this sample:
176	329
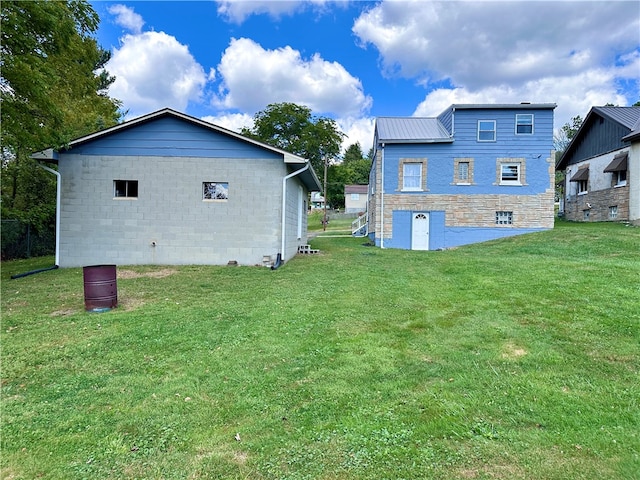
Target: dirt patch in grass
128	274
64	312
510	472
513	352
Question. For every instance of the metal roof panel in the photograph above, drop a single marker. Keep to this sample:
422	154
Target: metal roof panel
411	129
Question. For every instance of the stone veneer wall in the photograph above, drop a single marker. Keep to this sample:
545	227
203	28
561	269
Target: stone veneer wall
529	211
600	201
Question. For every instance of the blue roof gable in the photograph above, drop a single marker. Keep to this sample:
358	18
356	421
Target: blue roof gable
169	136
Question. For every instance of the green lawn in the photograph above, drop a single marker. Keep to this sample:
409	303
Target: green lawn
513	359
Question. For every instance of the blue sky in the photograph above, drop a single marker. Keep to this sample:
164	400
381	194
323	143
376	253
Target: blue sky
352	61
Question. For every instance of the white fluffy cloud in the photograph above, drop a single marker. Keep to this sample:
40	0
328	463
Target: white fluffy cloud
237	11
357	130
252	77
126	18
499	52
153	70
231	121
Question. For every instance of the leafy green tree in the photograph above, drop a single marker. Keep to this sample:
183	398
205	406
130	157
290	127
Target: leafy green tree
353	170
563	138
293	128
52	89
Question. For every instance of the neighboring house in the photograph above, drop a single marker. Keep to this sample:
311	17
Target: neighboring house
167	188
474	173
602	167
355	198
317	200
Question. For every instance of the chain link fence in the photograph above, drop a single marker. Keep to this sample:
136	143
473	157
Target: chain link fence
21	240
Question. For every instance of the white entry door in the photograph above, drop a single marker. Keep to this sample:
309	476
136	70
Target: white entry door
420	231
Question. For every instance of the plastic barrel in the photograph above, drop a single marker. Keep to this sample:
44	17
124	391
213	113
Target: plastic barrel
100	287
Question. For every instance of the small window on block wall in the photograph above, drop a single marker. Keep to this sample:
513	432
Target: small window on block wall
125	189
613	212
215	191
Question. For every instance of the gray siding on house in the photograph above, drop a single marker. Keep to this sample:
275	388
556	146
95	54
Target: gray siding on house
601	136
97	228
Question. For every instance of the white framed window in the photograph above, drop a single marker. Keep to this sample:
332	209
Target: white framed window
212	191
411	176
620	178
504	218
486	130
510	174
613	212
355	196
125	189
524	124
582	186
581	179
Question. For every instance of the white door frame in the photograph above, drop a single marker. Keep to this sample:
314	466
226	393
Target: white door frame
420	231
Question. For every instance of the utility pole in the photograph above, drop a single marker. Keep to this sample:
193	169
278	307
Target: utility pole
324	220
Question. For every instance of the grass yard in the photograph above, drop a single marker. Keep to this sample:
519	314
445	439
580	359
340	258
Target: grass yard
513	359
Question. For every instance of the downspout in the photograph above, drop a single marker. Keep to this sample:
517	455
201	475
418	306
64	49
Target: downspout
382	198
58	197
284	213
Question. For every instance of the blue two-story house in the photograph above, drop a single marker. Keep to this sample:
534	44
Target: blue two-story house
474	173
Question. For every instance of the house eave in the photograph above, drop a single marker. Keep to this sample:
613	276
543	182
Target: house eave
503	106
423	140
49	155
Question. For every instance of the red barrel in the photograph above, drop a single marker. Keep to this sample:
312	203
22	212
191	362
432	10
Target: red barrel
100	287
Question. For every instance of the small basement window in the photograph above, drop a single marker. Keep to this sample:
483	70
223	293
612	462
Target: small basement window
125	189
504	218
215	191
613	212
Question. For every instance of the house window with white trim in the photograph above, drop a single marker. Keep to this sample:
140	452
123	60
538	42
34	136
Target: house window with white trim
510	174
582	186
125	189
511	171
581	179
215	191
486	130
613	212
524	124
620	178
504	218
412	174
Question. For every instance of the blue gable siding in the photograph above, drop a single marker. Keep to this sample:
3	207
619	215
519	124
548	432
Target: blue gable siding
170	136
